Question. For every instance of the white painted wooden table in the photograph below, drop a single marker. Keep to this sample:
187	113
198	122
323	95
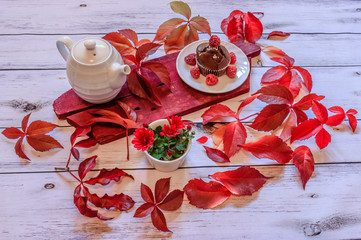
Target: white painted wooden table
325	39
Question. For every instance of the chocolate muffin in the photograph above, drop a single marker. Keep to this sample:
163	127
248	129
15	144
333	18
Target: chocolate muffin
212	59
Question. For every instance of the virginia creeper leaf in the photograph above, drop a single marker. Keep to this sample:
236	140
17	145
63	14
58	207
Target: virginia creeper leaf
274	74
43	142
351	111
146	50
206	195
86	166
352	121
271	147
245	102
79	132
24	122
161	189
323	138
235	28
320	111
120	201
241	181
217	111
273	51
19	149
217	135
306	102
216	155
234	135
276	94
12	133
306	130
181	8
253	28
278	35
271	117
173	201
75	152
40	127
159	221
105	176
160	70
200	24
167	27
130	34
301	116
144	210
146	194
290	124
307	78
225	22
86	143
304	162
202	139
176	40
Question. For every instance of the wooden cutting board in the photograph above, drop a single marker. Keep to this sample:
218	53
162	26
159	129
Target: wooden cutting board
180	101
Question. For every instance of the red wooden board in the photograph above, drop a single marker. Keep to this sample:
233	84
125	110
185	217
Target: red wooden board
182	100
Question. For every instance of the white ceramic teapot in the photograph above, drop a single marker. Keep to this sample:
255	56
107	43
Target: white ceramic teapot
95	69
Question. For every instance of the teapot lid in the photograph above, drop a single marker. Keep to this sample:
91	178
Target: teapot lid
91	51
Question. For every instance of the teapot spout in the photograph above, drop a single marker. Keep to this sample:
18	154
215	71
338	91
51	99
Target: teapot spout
116	69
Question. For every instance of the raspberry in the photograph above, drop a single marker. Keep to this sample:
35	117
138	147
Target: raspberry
189	127
169	153
233	57
231	71
195	72
190	59
214	41
211	79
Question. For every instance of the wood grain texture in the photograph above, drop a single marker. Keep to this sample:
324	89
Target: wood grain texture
39	51
279	210
92	16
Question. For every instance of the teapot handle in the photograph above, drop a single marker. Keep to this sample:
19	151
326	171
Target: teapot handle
61	44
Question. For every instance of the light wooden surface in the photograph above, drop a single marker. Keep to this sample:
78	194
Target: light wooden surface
325	38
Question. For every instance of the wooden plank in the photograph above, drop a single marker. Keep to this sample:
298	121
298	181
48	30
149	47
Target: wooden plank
114	153
308	50
34	91
145	16
327	209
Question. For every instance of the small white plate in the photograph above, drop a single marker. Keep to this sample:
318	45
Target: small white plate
225	84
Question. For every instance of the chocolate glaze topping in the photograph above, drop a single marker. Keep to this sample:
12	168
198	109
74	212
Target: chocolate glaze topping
213	58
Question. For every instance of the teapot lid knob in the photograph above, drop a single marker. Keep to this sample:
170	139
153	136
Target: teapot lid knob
90	44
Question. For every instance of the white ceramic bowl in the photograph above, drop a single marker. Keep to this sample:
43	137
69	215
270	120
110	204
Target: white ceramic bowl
166	166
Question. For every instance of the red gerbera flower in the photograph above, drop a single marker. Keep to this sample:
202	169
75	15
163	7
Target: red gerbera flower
144	138
169	131
177	121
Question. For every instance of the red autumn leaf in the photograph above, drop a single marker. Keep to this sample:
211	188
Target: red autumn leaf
285	60
276	94
13	133
278	35
217	135
337	109
43	142
173	201
217	111
181	8
301	116
234	135
75	153
19	149
79	132
306	102
105	176
144	210
202	140
120	201
306	130
323	138
271	147
307	78
146	50
271	117
304	162
160	70
146	194
274	74
289	125
294	85
120	43
336	119
351	111
176	40
86	143
216	155
167	27
241	181
352	119
86	166
40	127
273	51
206	195
245	102
159	221
200	24
161	189
253	28
225	22
235	26
130	34
24	122
320	111
82	205
111	117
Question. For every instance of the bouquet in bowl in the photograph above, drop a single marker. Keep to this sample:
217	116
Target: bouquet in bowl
165	139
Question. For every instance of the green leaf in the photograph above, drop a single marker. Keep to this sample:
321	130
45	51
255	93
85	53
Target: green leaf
181	8
180	147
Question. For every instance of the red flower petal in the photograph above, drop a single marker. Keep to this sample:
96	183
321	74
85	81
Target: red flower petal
159	221
216	155
146	194
144	210
202	140
173	201
12	133
242	181
234	135
304	162
271	147
206	195
306	130
217	111
323	138
86	166
106	176
278	35
161	189
320	111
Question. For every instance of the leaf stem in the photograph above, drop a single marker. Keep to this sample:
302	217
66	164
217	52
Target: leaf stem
248	116
74	175
126	132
